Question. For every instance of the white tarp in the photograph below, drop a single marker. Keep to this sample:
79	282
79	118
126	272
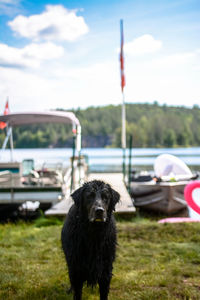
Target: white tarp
170	165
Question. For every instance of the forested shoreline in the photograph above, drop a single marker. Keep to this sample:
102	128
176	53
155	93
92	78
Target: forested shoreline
151	125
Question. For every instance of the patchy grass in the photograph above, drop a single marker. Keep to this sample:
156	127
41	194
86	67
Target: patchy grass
154	261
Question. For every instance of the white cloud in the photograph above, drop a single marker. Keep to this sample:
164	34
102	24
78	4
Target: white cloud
60	87
30	56
55	23
171	79
143	45
173	60
26	90
9	7
56	85
44	51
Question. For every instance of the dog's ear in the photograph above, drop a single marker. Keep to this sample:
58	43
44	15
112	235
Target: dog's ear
115	198
77	196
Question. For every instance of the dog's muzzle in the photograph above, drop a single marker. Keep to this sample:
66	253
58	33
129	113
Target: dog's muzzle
97	214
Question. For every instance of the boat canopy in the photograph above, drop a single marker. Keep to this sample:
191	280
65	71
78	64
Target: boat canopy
25	118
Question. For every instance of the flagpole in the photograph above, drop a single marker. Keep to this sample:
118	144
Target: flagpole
123	133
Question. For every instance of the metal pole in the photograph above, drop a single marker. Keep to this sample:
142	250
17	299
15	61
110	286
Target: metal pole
78	146
72	164
129	165
8	132
124	135
11	144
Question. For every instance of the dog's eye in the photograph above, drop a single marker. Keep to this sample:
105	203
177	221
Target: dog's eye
105	195
90	195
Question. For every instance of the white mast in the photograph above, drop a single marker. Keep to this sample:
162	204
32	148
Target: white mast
123	136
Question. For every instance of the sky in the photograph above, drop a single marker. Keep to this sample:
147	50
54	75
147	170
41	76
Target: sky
65	54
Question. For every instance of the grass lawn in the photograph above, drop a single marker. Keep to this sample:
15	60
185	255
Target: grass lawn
154	261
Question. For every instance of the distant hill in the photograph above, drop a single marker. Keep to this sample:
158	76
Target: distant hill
150	125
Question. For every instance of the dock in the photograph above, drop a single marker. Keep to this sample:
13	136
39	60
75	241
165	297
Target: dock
124	207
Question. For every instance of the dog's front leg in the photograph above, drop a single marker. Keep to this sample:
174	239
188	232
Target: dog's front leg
104	285
77	288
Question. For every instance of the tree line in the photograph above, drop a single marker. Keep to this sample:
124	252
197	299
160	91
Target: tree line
151	125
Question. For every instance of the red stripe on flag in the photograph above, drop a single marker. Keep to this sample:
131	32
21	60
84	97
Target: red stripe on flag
6	112
122	57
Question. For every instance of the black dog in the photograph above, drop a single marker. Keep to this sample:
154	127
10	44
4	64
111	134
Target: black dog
89	237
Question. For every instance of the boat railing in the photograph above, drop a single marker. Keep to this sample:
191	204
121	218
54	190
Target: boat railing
8	178
78	171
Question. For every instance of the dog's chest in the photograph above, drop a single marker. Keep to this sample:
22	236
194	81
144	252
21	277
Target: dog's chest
93	261
93	250
93	246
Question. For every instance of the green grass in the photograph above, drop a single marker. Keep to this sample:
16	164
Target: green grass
154	261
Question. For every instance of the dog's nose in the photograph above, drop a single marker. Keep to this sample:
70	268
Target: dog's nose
99	211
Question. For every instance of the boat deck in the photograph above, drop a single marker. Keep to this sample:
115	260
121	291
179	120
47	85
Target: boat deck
125	206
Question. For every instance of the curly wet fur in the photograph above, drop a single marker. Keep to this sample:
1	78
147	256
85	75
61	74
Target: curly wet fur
89	247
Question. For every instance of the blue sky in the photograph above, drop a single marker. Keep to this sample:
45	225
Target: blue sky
66	54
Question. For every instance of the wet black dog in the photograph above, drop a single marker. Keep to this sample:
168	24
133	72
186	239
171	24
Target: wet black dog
89	237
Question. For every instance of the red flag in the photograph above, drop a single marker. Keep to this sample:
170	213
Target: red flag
122	56
6	112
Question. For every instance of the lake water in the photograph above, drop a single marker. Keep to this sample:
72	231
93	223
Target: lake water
107	160
101	159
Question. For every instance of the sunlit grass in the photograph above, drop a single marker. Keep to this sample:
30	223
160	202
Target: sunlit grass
154	261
